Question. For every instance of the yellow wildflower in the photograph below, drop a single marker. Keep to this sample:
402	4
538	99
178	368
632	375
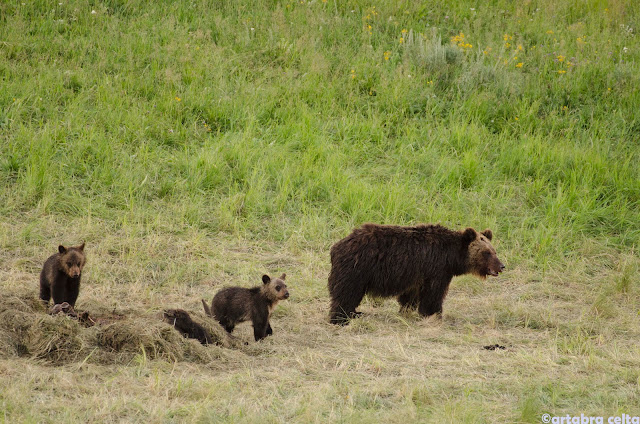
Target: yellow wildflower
458	38
387	54
178	98
560	58
562	72
519	65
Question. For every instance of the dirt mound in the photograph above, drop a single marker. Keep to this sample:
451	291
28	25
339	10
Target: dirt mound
26	329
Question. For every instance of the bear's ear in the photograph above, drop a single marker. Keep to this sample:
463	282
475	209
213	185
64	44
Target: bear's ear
468	235
62	249
488	234
81	247
266	279
283	276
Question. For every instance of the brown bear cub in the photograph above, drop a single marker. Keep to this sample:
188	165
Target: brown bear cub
416	264
233	305
60	276
182	322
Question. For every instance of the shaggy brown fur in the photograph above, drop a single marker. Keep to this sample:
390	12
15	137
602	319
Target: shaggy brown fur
233	305
60	276
416	264
182	322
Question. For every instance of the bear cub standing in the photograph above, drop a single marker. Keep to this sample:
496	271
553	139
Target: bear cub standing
233	305
60	276
416	264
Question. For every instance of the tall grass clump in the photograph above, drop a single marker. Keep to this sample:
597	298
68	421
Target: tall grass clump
241	113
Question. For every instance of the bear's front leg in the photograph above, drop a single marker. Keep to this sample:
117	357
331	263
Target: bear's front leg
260	327
409	300
58	292
73	289
432	296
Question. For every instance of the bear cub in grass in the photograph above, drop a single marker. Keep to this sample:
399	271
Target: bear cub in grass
182	322
60	276
233	305
416	264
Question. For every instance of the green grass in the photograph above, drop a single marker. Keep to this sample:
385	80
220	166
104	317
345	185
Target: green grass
199	143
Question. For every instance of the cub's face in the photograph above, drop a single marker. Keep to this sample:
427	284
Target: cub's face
276	286
482	259
72	260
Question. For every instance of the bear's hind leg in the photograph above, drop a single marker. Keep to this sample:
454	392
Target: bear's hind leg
345	309
227	325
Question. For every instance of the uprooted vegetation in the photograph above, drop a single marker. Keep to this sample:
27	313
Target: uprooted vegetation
26	329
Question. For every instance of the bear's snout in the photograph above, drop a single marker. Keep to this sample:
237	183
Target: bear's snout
286	295
496	268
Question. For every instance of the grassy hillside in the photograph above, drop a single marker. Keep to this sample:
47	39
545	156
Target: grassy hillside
199	144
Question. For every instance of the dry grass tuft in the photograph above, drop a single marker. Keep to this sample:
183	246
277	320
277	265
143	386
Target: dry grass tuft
27	330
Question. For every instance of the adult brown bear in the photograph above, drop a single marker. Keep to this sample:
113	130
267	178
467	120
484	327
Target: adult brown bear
416	264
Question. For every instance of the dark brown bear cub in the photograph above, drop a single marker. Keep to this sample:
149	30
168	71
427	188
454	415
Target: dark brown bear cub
416	264
60	276
233	305
182	322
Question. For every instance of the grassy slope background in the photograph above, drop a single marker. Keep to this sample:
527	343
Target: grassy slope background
194	145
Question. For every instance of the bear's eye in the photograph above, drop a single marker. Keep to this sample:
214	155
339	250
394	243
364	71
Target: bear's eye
278	288
69	264
486	253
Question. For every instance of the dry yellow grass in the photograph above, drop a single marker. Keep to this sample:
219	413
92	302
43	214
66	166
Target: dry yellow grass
570	338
